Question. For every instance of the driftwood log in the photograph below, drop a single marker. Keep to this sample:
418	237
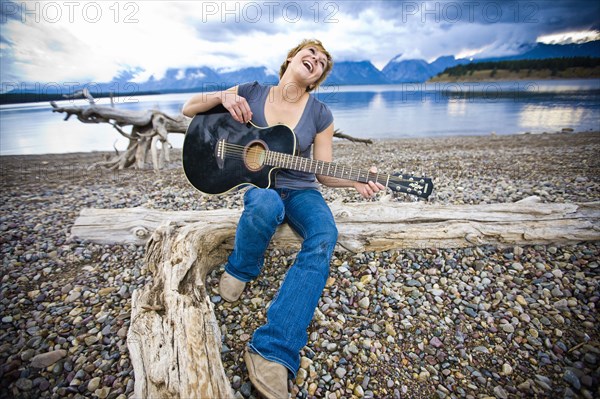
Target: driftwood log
148	130
380	225
174	339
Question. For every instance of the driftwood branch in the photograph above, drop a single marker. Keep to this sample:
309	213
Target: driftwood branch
174	340
338	133
149	129
84	93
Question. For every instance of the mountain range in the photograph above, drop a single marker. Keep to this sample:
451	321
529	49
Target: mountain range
397	70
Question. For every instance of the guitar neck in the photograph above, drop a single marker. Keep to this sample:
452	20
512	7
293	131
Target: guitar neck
292	162
408	184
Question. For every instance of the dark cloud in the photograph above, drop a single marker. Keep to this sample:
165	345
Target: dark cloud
557	16
225	21
5	40
543	16
9	10
429	29
218	31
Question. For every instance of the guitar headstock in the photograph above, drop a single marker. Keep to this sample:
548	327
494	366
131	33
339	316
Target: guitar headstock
402	183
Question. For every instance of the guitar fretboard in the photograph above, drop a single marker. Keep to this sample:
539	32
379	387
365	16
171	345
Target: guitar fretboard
286	161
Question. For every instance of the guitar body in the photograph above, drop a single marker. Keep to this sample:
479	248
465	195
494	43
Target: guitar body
212	172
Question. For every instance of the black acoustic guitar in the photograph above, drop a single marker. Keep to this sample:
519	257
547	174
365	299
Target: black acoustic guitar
220	154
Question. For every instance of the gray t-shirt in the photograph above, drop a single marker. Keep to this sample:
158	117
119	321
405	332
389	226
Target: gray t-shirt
315	118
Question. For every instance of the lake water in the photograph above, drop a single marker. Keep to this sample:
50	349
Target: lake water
382	111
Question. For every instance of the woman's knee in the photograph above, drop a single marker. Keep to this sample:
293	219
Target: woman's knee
324	239
329	234
264	204
319	247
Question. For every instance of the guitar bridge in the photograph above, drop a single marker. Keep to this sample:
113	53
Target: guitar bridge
220	153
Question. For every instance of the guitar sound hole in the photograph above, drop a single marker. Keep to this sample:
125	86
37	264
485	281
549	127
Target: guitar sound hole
254	155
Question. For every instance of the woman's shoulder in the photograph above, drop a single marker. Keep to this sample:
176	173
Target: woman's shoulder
252	84
252	89
321	113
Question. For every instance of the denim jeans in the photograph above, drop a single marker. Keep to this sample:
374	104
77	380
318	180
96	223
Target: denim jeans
291	311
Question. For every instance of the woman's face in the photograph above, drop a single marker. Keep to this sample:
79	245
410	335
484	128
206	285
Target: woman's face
309	63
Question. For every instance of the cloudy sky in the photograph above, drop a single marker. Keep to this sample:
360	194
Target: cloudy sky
93	41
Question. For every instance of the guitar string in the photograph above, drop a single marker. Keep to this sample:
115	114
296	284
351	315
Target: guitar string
238	151
239	155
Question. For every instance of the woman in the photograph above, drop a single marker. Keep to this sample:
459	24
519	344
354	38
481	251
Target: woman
295	199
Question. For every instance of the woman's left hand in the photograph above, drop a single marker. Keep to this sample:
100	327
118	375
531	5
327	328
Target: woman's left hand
367	190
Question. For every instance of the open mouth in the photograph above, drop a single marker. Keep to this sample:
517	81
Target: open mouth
308	66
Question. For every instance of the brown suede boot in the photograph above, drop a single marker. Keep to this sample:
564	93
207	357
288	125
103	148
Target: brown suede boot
230	288
269	378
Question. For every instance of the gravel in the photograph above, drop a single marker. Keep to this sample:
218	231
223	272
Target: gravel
426	323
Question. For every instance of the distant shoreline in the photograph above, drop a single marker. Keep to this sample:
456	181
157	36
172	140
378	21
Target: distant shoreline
501	75
478	76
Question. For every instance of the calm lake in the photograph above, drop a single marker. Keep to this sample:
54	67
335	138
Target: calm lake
379	112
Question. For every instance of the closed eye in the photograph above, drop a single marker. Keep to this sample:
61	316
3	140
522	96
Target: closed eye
321	62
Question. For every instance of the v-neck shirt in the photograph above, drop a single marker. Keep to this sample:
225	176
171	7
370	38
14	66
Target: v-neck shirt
315	118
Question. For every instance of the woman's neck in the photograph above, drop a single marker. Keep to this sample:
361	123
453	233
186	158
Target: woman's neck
289	90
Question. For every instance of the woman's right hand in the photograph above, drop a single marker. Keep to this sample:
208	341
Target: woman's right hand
237	106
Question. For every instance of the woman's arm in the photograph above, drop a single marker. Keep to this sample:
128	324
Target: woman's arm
237	106
323	151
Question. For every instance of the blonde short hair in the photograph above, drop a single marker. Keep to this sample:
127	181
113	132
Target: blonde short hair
303	44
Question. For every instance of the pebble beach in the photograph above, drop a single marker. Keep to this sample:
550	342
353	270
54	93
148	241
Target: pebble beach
477	322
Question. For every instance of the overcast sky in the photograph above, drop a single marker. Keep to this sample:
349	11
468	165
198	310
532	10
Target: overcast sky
93	41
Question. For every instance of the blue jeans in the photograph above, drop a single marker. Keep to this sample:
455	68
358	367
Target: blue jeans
291	311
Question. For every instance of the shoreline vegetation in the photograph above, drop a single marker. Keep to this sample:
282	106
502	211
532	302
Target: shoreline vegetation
491	75
520	321
545	69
